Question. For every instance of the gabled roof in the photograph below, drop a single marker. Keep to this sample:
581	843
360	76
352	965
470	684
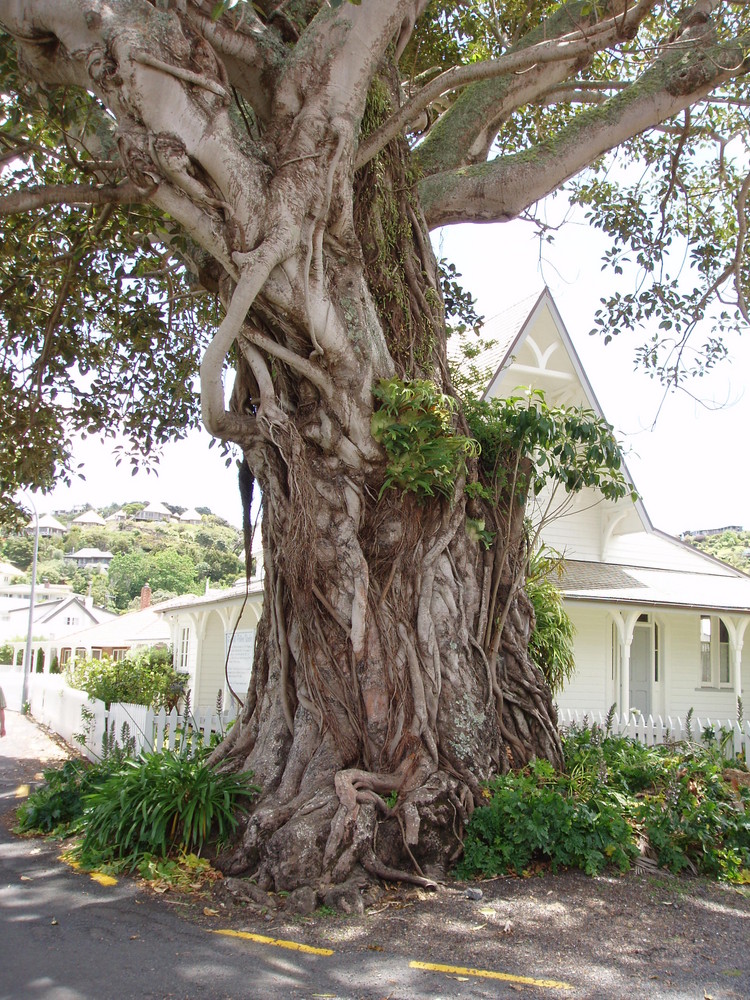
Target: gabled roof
157	508
560	375
144	627
89	516
48	521
191	516
7	569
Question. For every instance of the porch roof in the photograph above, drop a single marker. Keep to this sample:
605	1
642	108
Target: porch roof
616	584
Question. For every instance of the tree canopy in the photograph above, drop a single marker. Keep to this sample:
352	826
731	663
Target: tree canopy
109	266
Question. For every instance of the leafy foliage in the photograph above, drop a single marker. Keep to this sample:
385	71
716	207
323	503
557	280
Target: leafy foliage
56	807
730	546
144	678
551	640
532	816
414	424
158	804
148	813
567	445
614	792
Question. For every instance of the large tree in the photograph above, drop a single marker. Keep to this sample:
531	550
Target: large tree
253	185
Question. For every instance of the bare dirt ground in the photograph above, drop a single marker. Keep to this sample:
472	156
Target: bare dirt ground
655	931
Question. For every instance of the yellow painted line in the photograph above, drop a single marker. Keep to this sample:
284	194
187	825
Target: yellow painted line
99	877
22	792
457	970
102	879
276	942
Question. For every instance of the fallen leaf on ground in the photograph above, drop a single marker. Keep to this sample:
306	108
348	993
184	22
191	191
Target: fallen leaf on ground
208	912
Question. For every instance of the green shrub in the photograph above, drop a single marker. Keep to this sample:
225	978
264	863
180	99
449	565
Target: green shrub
57	806
533	815
146	678
6	653
551	642
614	793
159	803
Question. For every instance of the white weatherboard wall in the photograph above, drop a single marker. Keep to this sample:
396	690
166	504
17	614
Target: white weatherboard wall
588	687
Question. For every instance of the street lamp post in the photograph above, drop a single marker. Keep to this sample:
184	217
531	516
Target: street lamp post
32	598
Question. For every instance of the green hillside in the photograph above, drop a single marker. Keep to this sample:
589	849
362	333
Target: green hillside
171	556
731	547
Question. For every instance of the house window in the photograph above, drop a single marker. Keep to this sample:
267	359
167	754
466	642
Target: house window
119	654
706	673
71	621
724	671
184	649
716	669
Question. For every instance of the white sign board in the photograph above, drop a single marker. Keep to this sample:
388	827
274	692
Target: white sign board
240	662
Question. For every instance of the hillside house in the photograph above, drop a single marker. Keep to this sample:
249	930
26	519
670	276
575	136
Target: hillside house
89	519
49	527
89	558
153	512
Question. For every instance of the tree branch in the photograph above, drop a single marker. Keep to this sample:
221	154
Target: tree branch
585	40
687	71
465	133
30	199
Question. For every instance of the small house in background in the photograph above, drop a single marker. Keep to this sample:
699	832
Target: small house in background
117	637
190	516
53	620
117	517
660	626
154	512
49	527
89	519
8	574
88	558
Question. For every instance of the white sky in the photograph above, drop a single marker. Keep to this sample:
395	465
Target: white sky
691	468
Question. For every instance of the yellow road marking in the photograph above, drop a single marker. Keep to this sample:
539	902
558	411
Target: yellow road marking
102	879
276	942
22	792
99	877
454	970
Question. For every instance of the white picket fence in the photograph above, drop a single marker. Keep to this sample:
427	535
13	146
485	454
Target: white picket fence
151	731
85	722
650	731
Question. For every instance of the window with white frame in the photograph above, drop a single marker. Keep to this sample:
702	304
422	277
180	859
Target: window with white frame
716	666
184	649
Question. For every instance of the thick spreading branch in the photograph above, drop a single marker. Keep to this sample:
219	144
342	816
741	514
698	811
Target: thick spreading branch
499	190
31	199
568	48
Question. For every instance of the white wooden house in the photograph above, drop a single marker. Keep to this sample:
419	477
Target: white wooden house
660	627
213	638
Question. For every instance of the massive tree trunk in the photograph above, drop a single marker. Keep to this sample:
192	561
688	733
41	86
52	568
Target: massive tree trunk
391	675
